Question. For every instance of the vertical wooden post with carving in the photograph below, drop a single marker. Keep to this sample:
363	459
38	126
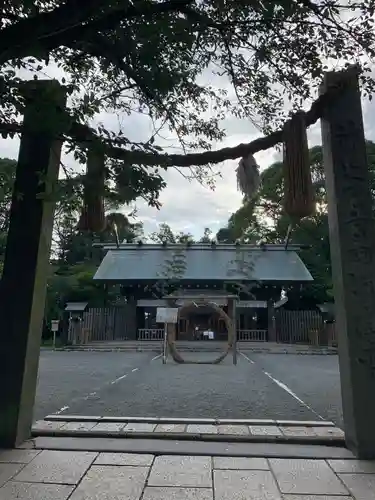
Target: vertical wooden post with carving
24	280
352	240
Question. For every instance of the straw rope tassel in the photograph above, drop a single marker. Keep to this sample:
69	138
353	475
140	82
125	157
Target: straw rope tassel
92	216
298	189
248	176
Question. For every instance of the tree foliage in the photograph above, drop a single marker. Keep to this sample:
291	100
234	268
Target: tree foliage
74	260
166	234
184	66
263	219
155	58
7	174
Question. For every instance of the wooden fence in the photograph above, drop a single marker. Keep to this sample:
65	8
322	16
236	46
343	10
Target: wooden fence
104	324
150	333
118	323
332	334
252	335
299	327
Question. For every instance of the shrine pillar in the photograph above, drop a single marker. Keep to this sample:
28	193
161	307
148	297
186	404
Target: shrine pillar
26	264
352	242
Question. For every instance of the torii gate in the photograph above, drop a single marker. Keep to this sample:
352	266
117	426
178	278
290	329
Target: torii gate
352	238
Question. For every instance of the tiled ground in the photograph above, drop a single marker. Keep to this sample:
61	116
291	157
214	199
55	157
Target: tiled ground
228	428
63	475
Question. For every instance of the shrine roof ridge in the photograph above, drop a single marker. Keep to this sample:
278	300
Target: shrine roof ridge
200	246
202	262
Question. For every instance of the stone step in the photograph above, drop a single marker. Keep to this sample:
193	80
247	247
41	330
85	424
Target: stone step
56	417
205	346
274	349
190	447
186	429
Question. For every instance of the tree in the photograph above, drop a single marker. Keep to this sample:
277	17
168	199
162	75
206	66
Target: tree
68	206
73	260
207	236
77	247
182	237
165	234
263	219
225	235
147	56
7	176
76	260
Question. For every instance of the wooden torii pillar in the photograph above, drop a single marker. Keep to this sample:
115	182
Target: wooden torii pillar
352	241
24	280
232	313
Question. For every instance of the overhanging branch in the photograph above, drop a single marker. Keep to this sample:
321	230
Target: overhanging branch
70	22
84	134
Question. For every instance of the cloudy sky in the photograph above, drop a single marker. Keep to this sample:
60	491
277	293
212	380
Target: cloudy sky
188	206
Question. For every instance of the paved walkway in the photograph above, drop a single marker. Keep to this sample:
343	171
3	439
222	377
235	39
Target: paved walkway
78	475
97	458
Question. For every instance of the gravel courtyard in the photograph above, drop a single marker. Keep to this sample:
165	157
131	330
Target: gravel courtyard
130	384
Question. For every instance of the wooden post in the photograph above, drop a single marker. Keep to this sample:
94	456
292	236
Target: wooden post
271	321
165	343
234	320
233	317
23	284
352	240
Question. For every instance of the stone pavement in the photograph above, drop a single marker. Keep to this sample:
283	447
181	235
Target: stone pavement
244	430
78	475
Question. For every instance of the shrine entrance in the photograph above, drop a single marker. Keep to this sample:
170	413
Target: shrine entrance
199	322
201	325
351	239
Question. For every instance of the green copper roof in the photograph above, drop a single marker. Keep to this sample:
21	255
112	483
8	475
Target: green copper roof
133	262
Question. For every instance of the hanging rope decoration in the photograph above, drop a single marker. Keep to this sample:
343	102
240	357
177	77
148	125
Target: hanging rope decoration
177	358
92	215
298	188
248	176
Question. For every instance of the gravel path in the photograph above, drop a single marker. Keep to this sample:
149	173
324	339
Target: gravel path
68	376
315	379
138	384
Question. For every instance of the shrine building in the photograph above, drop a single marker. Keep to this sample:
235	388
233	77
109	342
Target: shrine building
162	275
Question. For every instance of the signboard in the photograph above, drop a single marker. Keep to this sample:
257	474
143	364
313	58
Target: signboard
54	328
166	315
55	325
